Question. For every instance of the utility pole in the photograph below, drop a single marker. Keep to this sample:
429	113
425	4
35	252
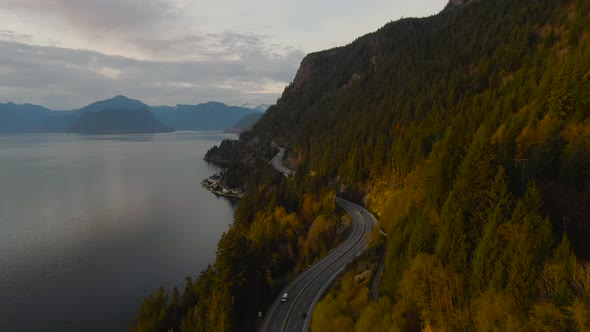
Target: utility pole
523	162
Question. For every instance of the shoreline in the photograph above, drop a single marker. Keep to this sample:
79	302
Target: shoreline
214	184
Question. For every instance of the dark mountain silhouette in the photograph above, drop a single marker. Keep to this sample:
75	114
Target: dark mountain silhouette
28	118
119	121
207	116
115	103
468	134
245	123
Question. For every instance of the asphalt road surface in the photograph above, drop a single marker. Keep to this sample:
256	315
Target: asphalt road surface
277	163
308	287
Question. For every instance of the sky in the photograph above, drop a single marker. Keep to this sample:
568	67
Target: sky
65	54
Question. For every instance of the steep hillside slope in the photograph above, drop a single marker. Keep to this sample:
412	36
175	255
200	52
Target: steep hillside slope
389	101
468	133
246	123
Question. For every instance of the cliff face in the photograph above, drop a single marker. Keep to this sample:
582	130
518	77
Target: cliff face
393	94
324	76
430	115
481	116
305	72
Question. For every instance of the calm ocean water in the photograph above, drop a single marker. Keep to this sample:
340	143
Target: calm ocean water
89	225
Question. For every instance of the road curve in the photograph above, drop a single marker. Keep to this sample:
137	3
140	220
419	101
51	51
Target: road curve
307	288
277	163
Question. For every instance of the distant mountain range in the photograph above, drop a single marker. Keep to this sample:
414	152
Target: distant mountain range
260	108
117	121
207	116
123	115
245	124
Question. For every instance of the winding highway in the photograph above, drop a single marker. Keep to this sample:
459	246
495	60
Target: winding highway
307	288
277	163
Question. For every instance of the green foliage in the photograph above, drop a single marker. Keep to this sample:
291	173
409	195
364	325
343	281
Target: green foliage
153	313
380	317
496	311
343	307
481	116
580	314
331	315
548	317
516	89
434	290
265	244
495	212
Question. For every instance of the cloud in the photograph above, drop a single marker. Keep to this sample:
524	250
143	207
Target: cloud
167	60
141	28
241	68
8	35
67	53
96	66
101	17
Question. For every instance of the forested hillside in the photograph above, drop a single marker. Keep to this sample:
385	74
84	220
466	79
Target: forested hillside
468	133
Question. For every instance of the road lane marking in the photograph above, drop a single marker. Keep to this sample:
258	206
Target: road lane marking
338	258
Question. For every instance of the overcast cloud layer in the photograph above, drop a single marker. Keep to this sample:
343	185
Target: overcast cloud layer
64	54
